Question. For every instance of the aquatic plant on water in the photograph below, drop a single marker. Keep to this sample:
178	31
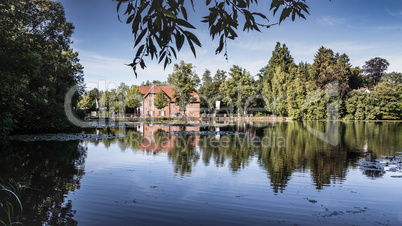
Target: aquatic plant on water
9	199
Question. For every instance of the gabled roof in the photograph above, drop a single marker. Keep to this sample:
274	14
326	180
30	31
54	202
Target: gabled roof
168	90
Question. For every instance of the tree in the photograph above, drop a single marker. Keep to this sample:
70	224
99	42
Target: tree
160	100
38	66
323	59
209	89
296	94
282	58
105	99
88	100
205	90
279	74
374	69
185	82
238	89
394	77
160	27
133	97
388	98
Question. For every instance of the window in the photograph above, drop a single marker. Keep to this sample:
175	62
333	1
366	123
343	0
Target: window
191	105
150	103
174	106
151	95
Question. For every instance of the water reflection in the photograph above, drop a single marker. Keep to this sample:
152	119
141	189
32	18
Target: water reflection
52	170
280	148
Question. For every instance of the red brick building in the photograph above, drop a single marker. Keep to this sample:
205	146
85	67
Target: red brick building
148	107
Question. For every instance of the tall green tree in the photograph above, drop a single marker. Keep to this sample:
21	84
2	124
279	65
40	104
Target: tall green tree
296	94
279	74
133	97
209	89
160	100
105	99
323	59
388	98
38	66
205	90
238	89
185	82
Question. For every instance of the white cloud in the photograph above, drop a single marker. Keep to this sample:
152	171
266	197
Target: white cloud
389	28
394	13
331	21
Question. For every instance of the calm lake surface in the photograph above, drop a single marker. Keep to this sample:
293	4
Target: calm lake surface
344	173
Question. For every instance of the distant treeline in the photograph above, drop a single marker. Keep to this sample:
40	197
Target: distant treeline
330	88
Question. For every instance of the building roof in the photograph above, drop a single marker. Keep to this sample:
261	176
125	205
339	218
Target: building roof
168	90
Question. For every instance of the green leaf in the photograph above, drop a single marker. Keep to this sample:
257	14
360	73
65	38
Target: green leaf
241	4
184	12
260	15
167	13
190	43
221	45
285	13
184	23
192	37
130	18
174	52
129	9
167	61
140	51
139	38
142	64
162	56
180	42
118	9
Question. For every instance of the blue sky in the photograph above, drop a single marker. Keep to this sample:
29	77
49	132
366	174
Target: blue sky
363	29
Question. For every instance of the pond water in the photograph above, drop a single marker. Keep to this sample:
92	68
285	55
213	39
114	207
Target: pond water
286	173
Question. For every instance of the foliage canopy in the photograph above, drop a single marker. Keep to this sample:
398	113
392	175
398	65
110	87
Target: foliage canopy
37	67
161	27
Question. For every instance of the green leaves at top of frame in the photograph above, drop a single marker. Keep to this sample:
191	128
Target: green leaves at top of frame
161	27
291	7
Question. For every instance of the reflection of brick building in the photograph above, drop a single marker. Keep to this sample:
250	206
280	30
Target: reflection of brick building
148	107
149	143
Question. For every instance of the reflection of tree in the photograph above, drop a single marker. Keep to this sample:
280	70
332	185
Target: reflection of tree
328	166
299	151
50	170
161	138
381	138
302	151
281	161
239	149
236	149
183	155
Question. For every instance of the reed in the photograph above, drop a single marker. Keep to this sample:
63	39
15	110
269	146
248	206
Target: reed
9	198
